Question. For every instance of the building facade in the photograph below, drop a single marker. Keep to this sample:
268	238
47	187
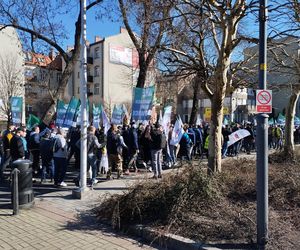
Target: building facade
42	75
11	70
112	72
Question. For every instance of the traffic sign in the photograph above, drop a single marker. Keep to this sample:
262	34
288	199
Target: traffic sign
263	101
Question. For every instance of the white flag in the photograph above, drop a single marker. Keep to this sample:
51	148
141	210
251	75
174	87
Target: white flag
237	135
105	122
199	120
177	132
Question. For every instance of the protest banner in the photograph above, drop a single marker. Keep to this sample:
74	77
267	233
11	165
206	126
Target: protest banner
71	112
237	135
16	103
142	103
61	109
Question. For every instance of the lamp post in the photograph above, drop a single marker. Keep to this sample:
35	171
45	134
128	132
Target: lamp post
83	98
262	136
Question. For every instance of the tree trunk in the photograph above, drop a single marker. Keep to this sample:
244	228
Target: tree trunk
289	147
195	108
215	133
60	90
142	75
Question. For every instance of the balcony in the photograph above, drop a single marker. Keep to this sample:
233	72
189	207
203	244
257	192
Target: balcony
90	79
90	60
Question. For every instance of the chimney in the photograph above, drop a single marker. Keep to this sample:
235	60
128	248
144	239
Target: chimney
123	30
97	39
52	54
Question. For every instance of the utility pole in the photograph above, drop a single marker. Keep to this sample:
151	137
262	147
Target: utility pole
262	136
78	193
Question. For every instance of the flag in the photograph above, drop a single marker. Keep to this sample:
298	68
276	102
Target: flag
32	121
177	132
61	109
281	119
96	115
16	105
142	103
71	112
237	135
105	122
199	120
126	117
117	115
166	119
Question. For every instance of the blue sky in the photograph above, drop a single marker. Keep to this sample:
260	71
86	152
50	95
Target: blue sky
102	28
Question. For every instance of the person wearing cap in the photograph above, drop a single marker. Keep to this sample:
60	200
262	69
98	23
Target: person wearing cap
60	154
17	150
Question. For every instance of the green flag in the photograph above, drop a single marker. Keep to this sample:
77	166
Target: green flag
32	121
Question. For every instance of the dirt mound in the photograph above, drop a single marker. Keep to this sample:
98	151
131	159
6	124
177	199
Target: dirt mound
217	209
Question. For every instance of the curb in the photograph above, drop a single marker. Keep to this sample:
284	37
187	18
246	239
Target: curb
170	241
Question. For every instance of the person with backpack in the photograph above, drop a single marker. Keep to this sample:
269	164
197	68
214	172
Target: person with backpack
46	151
158	143
115	143
17	150
60	154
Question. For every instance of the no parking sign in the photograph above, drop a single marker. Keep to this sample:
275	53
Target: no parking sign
263	101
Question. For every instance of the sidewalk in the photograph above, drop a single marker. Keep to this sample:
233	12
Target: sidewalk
57	221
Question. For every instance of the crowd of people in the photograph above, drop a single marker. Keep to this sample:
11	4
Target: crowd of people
121	149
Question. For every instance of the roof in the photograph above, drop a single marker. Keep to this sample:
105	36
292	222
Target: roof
41	60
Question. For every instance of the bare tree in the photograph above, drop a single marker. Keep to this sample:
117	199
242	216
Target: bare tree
11	84
210	37
146	22
37	20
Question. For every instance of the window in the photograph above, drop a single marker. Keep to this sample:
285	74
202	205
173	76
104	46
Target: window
97	89
58	77
29	108
97	52
97	71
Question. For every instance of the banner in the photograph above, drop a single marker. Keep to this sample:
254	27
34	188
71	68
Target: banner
96	114
177	132
281	119
32	121
142	103
117	115
272	121
61	109
71	112
237	135
199	120
105	121
16	105
166	119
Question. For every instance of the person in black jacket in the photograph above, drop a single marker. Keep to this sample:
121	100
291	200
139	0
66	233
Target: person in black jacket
156	150
17	150
34	148
46	151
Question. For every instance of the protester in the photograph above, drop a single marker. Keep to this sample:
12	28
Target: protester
46	151
156	150
60	154
17	150
34	148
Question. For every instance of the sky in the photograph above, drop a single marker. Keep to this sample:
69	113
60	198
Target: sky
102	28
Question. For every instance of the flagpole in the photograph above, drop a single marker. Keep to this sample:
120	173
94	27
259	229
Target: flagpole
83	98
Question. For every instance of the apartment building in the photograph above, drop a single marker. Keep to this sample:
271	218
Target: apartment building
42	75
112	71
283	70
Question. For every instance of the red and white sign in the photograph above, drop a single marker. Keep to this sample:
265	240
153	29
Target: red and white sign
264	101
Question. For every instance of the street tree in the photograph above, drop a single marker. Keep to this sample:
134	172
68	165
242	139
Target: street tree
211	38
285	62
146	22
40	23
